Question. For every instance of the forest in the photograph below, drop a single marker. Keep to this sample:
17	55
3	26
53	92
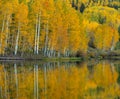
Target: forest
59	28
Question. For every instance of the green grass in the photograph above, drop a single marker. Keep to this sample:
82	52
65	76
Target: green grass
63	59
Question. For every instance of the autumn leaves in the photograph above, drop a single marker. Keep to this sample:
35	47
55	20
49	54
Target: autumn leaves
102	27
53	28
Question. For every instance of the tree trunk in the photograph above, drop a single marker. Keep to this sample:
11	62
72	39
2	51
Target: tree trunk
17	39
112	44
51	52
46	40
58	54
38	34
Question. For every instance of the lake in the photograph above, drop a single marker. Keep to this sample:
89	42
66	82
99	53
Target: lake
60	80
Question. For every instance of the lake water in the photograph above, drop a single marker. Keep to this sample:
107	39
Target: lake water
60	80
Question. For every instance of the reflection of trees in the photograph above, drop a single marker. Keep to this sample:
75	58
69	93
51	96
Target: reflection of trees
59	80
105	78
118	70
16	79
104	74
36	82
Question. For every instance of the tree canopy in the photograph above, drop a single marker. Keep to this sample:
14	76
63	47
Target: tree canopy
58	27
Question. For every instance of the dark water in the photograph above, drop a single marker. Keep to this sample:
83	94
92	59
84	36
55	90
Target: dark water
60	80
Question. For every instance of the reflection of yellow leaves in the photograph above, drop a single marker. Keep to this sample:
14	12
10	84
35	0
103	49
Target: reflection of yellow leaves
104	76
23	97
90	85
66	82
1	76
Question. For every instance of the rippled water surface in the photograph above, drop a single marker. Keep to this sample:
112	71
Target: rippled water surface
60	80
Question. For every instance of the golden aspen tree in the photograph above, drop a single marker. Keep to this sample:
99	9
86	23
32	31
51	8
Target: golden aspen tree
56	27
49	9
106	32
105	37
5	30
80	38
61	28
74	32
37	11
21	22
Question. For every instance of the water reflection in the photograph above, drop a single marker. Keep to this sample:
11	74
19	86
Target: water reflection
56	80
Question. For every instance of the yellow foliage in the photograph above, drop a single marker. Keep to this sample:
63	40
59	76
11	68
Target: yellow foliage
105	37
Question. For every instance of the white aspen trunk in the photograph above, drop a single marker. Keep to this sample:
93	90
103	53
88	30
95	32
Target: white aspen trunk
58	54
17	39
36	34
46	40
112	44
47	53
51	52
68	53
64	52
112	48
54	53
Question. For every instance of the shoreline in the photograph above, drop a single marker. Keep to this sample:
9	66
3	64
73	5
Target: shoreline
114	55
14	58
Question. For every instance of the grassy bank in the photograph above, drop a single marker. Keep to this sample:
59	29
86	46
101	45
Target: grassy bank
115	55
41	58
63	59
